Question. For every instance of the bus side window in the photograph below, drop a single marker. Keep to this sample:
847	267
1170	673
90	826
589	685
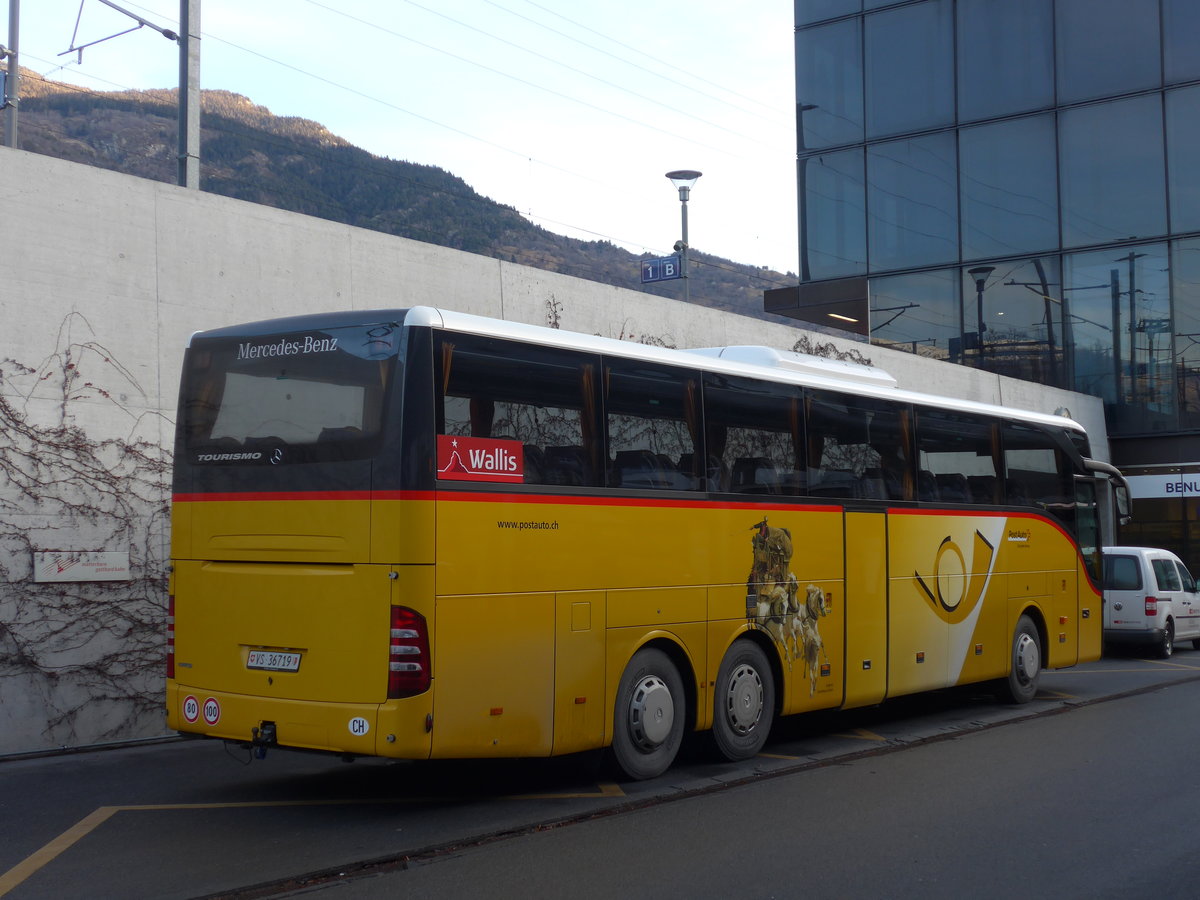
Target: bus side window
958	456
754	433
1035	472
858	447
542	397
653	424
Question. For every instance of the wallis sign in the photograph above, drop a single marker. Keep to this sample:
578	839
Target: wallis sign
480	459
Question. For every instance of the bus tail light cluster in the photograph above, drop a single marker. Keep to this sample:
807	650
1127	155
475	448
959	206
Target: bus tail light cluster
171	636
408	667
1152	606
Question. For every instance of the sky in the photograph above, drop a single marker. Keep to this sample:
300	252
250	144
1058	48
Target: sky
569	112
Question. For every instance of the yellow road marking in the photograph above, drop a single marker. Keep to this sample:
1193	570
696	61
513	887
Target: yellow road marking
89	823
55	848
1170	663
862	734
606	790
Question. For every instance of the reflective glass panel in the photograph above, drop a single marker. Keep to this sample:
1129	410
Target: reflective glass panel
651	417
829	87
912	208
1117	302
1171	523
809	11
1183	157
754	434
1112	174
1106	47
1019	305
1009	187
858	447
1185	292
1005	58
833	228
1181	36
919	313
910	68
957	457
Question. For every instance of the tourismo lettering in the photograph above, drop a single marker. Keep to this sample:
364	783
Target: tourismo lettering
227	457
284	347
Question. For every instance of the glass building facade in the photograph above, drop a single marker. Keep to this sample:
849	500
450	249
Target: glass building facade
1014	185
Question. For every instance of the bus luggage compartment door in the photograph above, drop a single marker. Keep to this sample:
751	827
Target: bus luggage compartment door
287	631
494	675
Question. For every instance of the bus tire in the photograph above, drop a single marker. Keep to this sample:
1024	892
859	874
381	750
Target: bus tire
743	702
649	717
1025	664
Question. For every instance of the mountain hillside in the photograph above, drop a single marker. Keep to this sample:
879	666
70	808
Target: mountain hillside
298	165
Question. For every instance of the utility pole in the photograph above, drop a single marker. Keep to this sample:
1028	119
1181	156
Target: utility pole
189	93
188	124
12	84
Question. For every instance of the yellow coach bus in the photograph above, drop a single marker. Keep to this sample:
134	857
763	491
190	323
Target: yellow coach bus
422	534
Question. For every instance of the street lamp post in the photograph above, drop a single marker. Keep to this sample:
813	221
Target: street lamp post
980	274
684	179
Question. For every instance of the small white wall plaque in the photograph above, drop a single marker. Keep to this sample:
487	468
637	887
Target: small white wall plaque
81	565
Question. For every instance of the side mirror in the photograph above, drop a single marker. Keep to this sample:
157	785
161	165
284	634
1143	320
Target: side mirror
1120	493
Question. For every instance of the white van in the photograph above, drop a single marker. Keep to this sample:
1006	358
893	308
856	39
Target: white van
1149	598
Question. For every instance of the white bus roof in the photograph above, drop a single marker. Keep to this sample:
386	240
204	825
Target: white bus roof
759	362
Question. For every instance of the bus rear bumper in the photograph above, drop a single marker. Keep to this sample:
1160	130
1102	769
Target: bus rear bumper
396	728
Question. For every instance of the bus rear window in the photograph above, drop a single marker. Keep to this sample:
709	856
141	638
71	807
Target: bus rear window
304	397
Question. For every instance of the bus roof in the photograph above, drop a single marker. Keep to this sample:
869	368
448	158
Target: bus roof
758	362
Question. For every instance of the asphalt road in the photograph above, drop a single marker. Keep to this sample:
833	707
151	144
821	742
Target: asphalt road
1096	804
1083	792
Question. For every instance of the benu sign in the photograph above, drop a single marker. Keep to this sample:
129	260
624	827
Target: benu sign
1147	487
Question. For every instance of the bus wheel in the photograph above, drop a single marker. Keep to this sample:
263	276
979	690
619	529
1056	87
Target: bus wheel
649	718
1022	682
743	702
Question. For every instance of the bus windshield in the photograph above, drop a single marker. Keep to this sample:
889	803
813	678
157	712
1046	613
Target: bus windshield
286	398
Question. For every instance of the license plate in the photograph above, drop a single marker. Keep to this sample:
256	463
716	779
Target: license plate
273	661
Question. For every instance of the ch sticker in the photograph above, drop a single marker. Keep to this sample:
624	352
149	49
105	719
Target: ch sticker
359	726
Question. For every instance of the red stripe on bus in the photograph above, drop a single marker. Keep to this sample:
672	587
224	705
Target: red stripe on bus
492	497
269	495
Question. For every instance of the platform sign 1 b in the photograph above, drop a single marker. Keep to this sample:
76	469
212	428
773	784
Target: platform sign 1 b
663	269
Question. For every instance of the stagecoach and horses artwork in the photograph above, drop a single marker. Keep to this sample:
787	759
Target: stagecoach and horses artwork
773	603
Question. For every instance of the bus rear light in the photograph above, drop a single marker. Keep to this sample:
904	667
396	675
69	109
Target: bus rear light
170	635
1152	606
408	662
